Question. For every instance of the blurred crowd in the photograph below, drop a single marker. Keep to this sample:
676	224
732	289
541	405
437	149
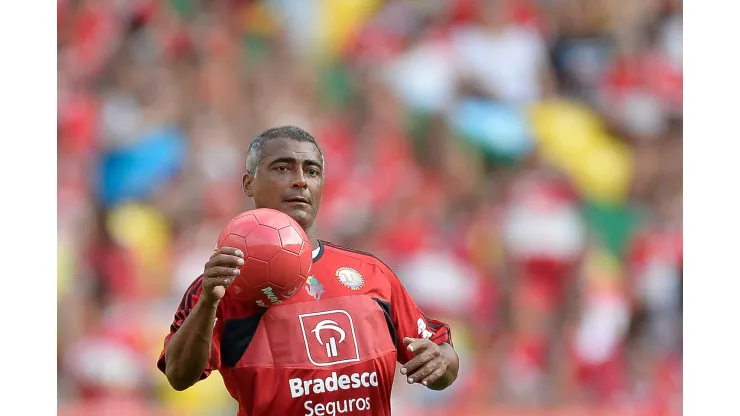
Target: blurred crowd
518	163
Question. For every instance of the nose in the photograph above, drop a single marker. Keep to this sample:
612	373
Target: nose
299	181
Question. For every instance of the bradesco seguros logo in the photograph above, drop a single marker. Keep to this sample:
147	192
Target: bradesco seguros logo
329	337
343	383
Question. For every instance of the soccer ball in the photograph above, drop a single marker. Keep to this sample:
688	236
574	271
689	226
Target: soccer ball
277	256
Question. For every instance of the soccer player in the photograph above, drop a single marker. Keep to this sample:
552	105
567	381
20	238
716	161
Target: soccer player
332	348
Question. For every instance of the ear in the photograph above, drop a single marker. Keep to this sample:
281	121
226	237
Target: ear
247	179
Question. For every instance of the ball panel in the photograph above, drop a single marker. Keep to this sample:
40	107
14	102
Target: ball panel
243	225
254	271
224	233
272	218
239	289
305	260
300	231
263	242
235	241
266	294
294	287
284	267
291	240
298	283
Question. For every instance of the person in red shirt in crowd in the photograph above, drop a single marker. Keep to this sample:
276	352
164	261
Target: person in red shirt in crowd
332	348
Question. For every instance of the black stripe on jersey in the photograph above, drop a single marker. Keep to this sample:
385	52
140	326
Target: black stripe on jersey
431	322
236	337
192	289
189	304
185	306
386	307
446	340
449	335
436	326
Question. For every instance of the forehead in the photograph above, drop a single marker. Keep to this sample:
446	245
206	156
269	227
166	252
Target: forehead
288	148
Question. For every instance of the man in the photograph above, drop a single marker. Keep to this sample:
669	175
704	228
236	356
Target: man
330	349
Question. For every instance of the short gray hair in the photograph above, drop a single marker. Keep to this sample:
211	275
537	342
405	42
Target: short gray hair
254	153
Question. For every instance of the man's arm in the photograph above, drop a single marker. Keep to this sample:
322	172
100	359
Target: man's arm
188	351
427	355
189	345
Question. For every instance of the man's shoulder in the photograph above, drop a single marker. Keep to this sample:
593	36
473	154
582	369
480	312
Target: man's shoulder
337	251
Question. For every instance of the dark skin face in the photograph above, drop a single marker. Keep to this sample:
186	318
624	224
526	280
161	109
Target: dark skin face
289	179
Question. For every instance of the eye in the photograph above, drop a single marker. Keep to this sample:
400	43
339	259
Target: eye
313	172
282	168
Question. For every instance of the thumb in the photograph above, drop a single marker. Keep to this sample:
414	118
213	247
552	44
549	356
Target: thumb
408	340
219	292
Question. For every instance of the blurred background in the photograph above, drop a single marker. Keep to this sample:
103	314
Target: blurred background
517	162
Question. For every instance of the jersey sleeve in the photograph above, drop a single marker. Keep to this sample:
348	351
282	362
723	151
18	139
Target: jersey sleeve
409	321
188	302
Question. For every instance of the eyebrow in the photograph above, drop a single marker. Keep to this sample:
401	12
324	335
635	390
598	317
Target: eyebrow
293	161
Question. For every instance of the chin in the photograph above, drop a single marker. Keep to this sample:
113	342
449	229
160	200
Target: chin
303	218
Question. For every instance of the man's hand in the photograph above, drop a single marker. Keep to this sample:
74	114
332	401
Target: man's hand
220	271
433	366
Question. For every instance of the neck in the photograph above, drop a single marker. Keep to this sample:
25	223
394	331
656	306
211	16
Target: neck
311	234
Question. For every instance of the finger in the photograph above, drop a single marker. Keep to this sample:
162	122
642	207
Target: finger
418	345
434	376
215	272
218	281
422	372
408	340
225	260
231	251
223	257
422	358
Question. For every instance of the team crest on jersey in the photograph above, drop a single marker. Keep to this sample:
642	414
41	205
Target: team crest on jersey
314	287
350	278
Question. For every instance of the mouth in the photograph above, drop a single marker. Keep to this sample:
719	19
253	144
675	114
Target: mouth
297	200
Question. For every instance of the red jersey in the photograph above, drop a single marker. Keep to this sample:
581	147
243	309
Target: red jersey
331	349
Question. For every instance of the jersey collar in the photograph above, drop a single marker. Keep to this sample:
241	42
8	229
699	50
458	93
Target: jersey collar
318	251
